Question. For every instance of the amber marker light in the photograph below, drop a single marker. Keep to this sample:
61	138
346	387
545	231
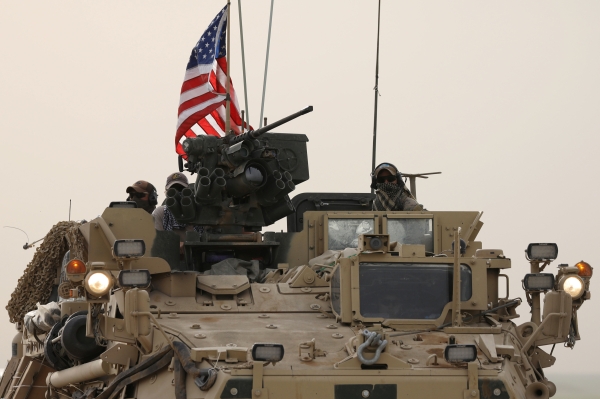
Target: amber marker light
76	267
75	270
585	270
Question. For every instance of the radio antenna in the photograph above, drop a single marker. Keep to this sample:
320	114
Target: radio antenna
16	228
247	120
27	244
376	88
262	104
228	85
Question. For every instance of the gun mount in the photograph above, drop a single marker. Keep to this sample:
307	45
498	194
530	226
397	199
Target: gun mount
242	181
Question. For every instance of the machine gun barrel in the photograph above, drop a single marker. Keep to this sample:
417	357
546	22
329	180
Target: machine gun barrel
255	133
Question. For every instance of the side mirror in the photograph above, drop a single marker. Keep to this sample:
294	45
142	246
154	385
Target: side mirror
137	308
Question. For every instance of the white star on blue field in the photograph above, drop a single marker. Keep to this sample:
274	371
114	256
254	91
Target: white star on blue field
206	54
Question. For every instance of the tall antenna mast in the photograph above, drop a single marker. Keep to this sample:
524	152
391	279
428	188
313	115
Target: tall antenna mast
228	96
376	88
247	120
262	105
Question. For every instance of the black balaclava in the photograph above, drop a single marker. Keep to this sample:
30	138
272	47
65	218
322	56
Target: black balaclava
142	204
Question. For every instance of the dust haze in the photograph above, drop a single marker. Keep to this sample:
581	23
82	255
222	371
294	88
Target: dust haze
501	97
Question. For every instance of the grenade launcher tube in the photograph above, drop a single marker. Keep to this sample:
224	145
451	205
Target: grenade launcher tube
202	189
188	209
174	206
218	185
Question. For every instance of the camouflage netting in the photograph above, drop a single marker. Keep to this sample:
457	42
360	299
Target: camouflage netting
36	283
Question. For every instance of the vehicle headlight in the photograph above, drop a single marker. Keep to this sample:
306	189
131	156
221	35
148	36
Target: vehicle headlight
542	251
122	204
129	248
455	353
98	283
267	352
134	278
572	285
538	281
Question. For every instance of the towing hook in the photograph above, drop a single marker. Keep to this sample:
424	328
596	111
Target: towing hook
372	339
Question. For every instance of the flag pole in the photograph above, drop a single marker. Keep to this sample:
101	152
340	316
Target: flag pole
262	105
376	92
247	119
228	96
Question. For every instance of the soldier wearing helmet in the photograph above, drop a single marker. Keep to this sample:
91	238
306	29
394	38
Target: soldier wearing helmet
391	193
143	194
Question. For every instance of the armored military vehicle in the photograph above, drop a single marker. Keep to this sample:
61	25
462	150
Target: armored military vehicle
347	304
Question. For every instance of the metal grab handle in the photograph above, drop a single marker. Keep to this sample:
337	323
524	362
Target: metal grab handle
538	330
507	286
372	339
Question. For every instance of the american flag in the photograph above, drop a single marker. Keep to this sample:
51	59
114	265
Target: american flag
204	89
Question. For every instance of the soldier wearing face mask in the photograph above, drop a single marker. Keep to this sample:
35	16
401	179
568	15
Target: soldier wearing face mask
143	194
391	193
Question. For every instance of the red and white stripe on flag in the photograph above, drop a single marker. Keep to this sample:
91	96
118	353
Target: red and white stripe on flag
202	108
202	103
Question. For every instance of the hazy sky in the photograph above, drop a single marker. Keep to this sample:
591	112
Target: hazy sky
502	97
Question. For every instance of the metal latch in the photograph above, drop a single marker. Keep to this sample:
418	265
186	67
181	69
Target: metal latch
307	351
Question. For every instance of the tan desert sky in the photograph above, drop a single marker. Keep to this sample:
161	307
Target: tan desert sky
502	97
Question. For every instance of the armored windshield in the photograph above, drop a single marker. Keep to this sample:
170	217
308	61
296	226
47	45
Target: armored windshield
411	231
409	290
343	233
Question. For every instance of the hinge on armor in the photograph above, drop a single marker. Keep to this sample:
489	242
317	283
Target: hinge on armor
226	354
472	391
542	359
306	277
509	312
307	351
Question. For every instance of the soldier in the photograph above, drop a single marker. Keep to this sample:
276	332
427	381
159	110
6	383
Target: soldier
143	194
177	181
392	194
163	218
